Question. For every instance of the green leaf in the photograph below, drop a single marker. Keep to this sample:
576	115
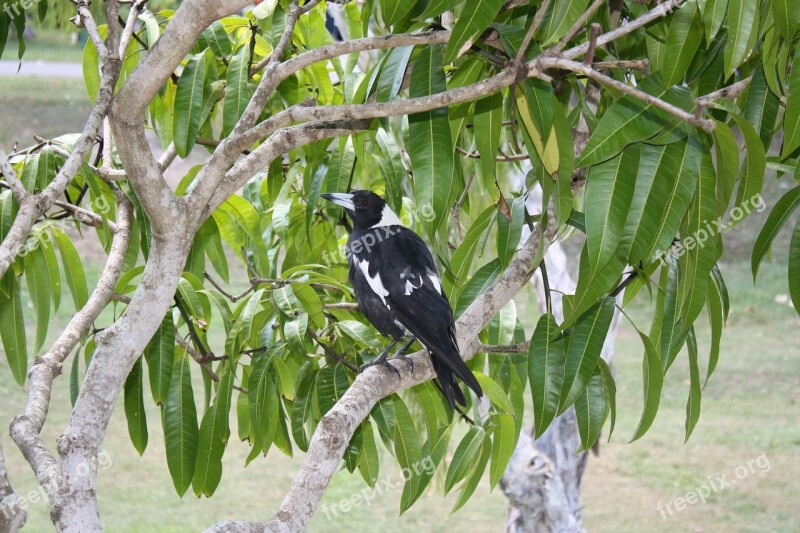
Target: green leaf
406	444
627	120
783	209
90	63
611	394
464	457
510	231
437	7
700	244
591	410
562	15
683	39
37	278
488	119
794	267
188	104
787	17
742	32
237	93
481	281
495	393
653	382
463	257
593	285
160	356
360	333
263	400
432	456
693	403
727	160
713	15
791	119
474	475
214	434
546	370
368	459
301	408
474	18
429	144
664	188
12	331
391	167
610	189
503	443
395	12
584	349
716	318
217	39
180	426
73	269
134	407
753	175
393	73
761	107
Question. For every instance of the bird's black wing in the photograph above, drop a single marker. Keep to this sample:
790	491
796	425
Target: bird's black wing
418	301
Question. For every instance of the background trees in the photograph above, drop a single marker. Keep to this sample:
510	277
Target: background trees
631	118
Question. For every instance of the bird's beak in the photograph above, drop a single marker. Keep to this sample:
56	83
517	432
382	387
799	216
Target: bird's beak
340	198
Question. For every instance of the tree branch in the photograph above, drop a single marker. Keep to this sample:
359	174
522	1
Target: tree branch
16	186
337	426
25	428
12	516
589	72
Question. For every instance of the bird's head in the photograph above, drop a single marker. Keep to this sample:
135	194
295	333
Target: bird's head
365	208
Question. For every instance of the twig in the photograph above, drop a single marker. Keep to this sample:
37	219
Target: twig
730	92
594	33
90	218
636	64
457	208
499	158
231	297
330	352
577	26
85	18
14	183
341	305
526	41
504	348
580	68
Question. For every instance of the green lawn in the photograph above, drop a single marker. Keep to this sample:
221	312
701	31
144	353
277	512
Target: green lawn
42	106
46	45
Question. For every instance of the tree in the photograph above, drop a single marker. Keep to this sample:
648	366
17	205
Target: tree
632	116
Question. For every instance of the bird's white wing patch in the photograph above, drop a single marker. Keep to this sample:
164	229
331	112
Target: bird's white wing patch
375	283
436	283
388	218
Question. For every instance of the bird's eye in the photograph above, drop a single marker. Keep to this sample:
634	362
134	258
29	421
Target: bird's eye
363	202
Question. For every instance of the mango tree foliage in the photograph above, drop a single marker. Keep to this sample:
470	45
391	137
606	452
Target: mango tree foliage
647	136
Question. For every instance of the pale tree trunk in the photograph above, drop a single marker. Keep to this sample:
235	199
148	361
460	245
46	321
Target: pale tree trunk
543	478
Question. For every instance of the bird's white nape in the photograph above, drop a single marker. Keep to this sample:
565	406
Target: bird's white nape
388	218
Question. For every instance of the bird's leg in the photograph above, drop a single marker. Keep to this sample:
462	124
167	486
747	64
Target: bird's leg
381	359
401	353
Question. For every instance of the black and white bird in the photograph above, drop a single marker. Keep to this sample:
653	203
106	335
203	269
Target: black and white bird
398	289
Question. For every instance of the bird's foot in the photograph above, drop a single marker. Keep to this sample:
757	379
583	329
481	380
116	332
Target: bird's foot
381	360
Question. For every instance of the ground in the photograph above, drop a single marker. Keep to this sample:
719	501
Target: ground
750	416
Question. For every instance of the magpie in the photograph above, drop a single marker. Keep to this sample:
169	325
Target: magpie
397	288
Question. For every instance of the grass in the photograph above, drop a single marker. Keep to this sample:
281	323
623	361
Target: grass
750	409
46	45
41	106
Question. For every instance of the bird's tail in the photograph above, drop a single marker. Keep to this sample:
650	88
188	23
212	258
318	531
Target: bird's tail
447	369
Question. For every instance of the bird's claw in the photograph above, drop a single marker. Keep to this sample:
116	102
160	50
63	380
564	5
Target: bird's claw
407	360
382	362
